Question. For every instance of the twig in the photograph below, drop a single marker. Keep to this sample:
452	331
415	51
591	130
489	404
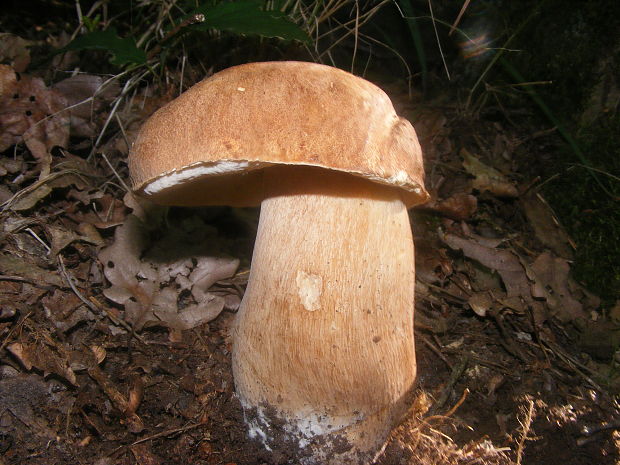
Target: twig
21	279
457	372
589	431
573	364
356	35
31	188
435	350
125	186
182	429
126	88
450	412
443	58
110	116
197	18
168	432
38	239
13	329
525	425
118	321
457	299
506	341
69	279
123	132
596	170
459	17
119	401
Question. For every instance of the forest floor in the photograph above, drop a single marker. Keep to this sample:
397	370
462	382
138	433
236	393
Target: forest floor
516	360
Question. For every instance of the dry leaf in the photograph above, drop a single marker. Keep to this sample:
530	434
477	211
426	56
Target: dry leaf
553	273
432	264
86	96
459	207
104	211
547	228
614	312
16	266
31	112
143	455
28	198
48	359
431	126
66	310
29	404
15	49
62	237
99	352
503	261
488	178
480	303
68	170
150	286
129	418
600	339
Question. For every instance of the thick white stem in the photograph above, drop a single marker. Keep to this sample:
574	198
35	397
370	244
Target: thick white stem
324	346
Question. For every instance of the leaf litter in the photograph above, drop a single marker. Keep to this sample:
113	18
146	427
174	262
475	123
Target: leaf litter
149	283
115	322
32	113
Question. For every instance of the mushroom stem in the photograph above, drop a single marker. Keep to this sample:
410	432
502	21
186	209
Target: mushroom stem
324	347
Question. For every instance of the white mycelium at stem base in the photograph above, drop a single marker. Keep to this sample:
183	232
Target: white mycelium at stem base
324	339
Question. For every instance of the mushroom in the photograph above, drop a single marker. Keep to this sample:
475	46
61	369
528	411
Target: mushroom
323	353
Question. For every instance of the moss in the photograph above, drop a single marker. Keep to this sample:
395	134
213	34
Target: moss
591	215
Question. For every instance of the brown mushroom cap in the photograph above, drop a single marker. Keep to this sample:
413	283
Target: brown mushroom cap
211	145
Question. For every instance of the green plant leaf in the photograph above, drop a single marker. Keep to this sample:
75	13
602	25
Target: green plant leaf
124	51
246	17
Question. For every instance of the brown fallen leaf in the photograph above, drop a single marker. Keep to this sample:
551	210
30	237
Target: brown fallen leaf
15	49
61	237
431	126
480	303
503	261
459	206
66	310
33	194
87	96
546	226
150	286
67	170
121	403
143	454
432	264
553	273
16	266
29	406
48	357
31	112
103	212
600	339
487	178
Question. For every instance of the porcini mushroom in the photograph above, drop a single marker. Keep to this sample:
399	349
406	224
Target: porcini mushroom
323	351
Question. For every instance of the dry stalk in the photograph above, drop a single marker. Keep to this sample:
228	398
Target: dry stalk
526	424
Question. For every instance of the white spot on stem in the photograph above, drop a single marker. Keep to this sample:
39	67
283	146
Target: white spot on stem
309	288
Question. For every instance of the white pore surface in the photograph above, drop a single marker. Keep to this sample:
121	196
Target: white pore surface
200	170
193	172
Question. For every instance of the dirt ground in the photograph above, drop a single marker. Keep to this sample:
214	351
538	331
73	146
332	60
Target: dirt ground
516	361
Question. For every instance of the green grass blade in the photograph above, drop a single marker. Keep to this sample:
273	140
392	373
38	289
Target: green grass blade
566	135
